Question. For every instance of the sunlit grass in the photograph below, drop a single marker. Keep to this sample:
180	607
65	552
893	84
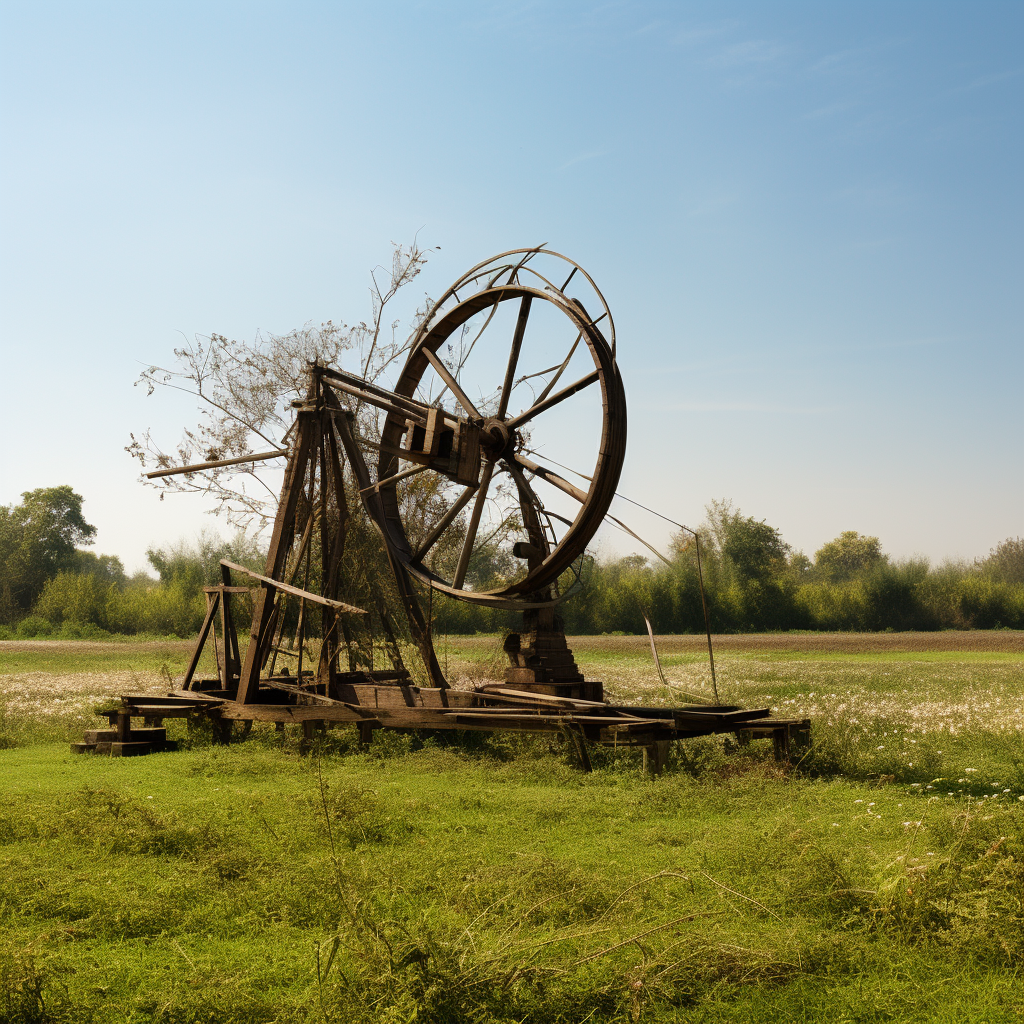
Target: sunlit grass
488	880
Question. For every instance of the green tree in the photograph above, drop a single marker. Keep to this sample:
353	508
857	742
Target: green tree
1006	561
197	565
38	539
849	555
106	568
755	549
752	549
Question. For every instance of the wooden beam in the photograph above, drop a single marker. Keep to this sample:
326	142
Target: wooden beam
349	609
547	403
204	632
199	466
446	375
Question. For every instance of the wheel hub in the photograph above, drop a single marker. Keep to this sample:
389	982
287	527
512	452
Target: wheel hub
497	439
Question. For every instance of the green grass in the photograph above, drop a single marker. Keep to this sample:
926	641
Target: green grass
489	881
199	886
96	656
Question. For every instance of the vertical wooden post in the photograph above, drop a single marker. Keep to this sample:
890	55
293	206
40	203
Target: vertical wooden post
780	743
261	634
228	626
328	668
656	757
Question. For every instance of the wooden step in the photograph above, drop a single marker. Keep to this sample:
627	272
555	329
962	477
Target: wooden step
129	749
146	735
133	748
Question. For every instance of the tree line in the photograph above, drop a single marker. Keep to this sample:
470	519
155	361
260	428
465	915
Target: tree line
50	585
753	581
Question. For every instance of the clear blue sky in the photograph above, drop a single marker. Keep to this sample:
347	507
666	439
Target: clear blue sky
806	218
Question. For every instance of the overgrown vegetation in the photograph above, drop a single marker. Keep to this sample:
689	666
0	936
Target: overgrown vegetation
485	879
89	597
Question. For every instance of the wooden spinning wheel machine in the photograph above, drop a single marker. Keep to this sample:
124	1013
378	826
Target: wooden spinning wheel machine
511	373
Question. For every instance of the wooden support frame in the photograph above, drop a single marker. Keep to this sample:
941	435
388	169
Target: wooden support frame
467	448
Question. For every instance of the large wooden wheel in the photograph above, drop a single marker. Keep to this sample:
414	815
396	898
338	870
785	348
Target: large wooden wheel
510	374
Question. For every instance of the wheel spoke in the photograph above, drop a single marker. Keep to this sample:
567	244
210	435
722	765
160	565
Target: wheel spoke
547	403
446	520
513	357
561	369
554	380
445	374
474	525
552	478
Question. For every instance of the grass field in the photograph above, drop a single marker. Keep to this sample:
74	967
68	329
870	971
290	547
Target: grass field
881	879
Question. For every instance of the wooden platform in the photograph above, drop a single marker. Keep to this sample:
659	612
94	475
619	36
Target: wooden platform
400	705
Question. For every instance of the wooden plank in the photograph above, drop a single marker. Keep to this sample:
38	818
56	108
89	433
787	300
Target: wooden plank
500	714
194	699
506	691
128	749
298	690
176	711
308	595
734	717
504	701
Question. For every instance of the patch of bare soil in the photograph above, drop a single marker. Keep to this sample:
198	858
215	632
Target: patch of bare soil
979	640
96	646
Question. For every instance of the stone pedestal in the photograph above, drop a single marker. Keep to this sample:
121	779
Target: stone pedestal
541	661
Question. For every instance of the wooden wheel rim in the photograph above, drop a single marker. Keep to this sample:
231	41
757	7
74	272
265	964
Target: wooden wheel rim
611	452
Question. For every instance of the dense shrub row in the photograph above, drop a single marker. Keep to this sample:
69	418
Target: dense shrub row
90	603
754	582
891	596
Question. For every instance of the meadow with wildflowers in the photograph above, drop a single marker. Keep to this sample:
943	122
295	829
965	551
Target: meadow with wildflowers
488	880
